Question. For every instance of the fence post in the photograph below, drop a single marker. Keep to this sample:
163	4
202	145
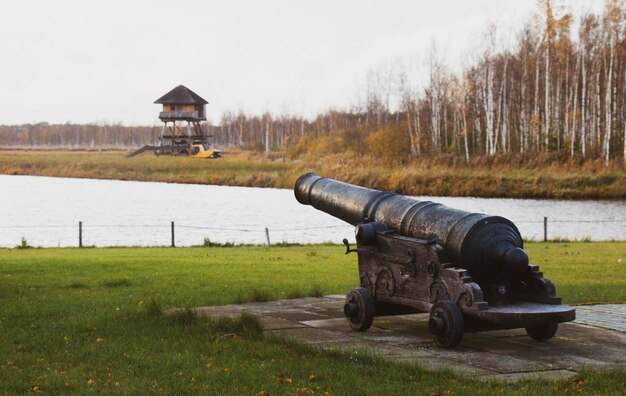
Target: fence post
173	244
545	229
267	236
80	234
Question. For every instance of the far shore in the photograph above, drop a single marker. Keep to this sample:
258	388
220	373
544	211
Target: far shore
496	178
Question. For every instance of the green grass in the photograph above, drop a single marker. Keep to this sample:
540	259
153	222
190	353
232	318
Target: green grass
583	272
493	177
79	320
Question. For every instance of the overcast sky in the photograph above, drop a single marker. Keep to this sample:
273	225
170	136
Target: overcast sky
108	61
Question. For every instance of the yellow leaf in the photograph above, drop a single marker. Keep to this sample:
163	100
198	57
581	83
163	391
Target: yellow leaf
99	340
90	382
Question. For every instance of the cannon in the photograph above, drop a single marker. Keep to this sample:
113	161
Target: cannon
468	270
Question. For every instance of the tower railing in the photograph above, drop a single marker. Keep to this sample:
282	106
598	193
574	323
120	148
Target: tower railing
180	115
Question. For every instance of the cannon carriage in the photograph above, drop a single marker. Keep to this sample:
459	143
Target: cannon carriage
469	270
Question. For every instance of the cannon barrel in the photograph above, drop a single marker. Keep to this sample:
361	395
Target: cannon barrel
490	247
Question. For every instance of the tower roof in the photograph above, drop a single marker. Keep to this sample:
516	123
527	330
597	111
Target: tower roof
181	95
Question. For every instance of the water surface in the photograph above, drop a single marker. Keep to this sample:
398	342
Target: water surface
46	211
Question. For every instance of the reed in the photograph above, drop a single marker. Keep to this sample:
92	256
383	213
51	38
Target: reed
541	177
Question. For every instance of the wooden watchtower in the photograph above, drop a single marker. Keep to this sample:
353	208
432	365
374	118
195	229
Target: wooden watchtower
183	105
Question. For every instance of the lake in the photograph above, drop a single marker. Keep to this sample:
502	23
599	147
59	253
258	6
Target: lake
45	211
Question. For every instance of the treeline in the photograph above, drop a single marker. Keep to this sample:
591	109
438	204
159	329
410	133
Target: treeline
77	136
560	88
555	91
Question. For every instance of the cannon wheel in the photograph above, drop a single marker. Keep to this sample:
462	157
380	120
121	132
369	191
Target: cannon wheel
359	309
446	323
542	332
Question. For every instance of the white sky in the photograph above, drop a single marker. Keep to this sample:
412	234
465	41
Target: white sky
107	61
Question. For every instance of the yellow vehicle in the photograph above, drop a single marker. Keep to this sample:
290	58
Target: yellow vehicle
198	151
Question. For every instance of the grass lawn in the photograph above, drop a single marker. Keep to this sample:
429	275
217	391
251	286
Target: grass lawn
79	320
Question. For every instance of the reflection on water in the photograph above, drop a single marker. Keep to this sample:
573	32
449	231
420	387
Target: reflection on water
46	211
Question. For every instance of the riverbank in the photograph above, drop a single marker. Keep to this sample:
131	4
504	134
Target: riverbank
453	177
89	320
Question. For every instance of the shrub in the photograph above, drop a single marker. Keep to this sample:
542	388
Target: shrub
153	308
245	325
23	244
183	317
117	283
317	291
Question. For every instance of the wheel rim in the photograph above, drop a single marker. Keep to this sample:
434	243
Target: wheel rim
358	309
446	324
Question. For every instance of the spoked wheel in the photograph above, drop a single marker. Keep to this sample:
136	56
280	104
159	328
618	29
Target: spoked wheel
543	331
359	309
446	323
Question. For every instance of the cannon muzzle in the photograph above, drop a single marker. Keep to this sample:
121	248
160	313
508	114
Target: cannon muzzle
490	247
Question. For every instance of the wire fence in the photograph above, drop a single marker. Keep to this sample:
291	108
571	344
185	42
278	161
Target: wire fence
173	234
571	221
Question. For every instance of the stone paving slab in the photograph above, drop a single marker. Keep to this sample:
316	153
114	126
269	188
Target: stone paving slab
608	316
512	377
597	339
529	351
270	323
571	331
313	336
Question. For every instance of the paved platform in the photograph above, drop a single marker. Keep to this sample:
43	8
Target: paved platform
597	339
